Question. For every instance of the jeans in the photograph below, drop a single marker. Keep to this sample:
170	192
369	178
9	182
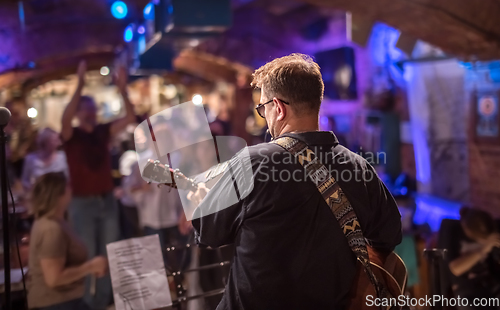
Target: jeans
75	304
96	221
129	221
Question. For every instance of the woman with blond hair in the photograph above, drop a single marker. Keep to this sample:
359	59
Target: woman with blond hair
47	158
58	261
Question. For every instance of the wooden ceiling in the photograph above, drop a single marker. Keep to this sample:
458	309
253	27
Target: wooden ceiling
464	28
57	33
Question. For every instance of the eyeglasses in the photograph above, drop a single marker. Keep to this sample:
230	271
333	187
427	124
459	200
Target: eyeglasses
258	108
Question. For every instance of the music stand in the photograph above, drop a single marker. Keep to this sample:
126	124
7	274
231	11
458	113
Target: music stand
182	299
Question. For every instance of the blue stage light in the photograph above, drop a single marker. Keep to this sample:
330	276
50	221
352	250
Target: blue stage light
141	30
432	210
404	190
128	35
149	12
119	9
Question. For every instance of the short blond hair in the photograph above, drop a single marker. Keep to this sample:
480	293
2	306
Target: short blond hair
47	190
296	79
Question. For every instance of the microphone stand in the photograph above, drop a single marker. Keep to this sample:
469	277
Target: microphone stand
5	218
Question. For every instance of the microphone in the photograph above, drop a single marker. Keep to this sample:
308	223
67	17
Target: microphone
4	116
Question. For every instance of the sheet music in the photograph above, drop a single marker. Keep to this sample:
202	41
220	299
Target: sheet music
138	274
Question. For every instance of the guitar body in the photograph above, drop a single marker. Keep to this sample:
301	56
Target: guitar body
390	271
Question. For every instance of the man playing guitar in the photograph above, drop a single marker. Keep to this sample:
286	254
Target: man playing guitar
291	252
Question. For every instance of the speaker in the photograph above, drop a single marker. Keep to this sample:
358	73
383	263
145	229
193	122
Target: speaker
193	16
339	73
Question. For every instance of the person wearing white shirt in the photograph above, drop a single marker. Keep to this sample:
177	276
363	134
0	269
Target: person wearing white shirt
46	159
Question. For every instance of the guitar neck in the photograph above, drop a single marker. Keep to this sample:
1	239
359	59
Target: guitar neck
210	177
164	174
192	186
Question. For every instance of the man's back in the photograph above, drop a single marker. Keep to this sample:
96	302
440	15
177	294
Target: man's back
290	250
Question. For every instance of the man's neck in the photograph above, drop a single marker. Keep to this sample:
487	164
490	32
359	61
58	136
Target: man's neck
303	125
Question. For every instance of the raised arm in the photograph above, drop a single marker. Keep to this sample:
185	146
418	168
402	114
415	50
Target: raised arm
120	124
72	107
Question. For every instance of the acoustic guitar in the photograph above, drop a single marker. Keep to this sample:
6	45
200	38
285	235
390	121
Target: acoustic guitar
389	269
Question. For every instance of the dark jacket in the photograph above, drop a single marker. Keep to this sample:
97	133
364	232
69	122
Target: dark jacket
290	251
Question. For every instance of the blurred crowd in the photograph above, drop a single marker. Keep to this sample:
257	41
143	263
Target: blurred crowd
82	188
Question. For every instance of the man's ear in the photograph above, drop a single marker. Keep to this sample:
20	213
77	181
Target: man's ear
280	109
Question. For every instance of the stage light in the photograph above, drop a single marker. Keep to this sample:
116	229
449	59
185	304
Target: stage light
119	9
128	35
197	99
104	70
404	190
141	30
115	106
170	91
149	11
194	42
32	113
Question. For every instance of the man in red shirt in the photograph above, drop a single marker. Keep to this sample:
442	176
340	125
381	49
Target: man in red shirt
93	210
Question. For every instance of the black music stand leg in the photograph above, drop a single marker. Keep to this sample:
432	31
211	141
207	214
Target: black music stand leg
5	218
180	290
435	257
223	274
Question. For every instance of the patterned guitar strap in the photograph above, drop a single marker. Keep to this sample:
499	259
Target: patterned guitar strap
336	200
